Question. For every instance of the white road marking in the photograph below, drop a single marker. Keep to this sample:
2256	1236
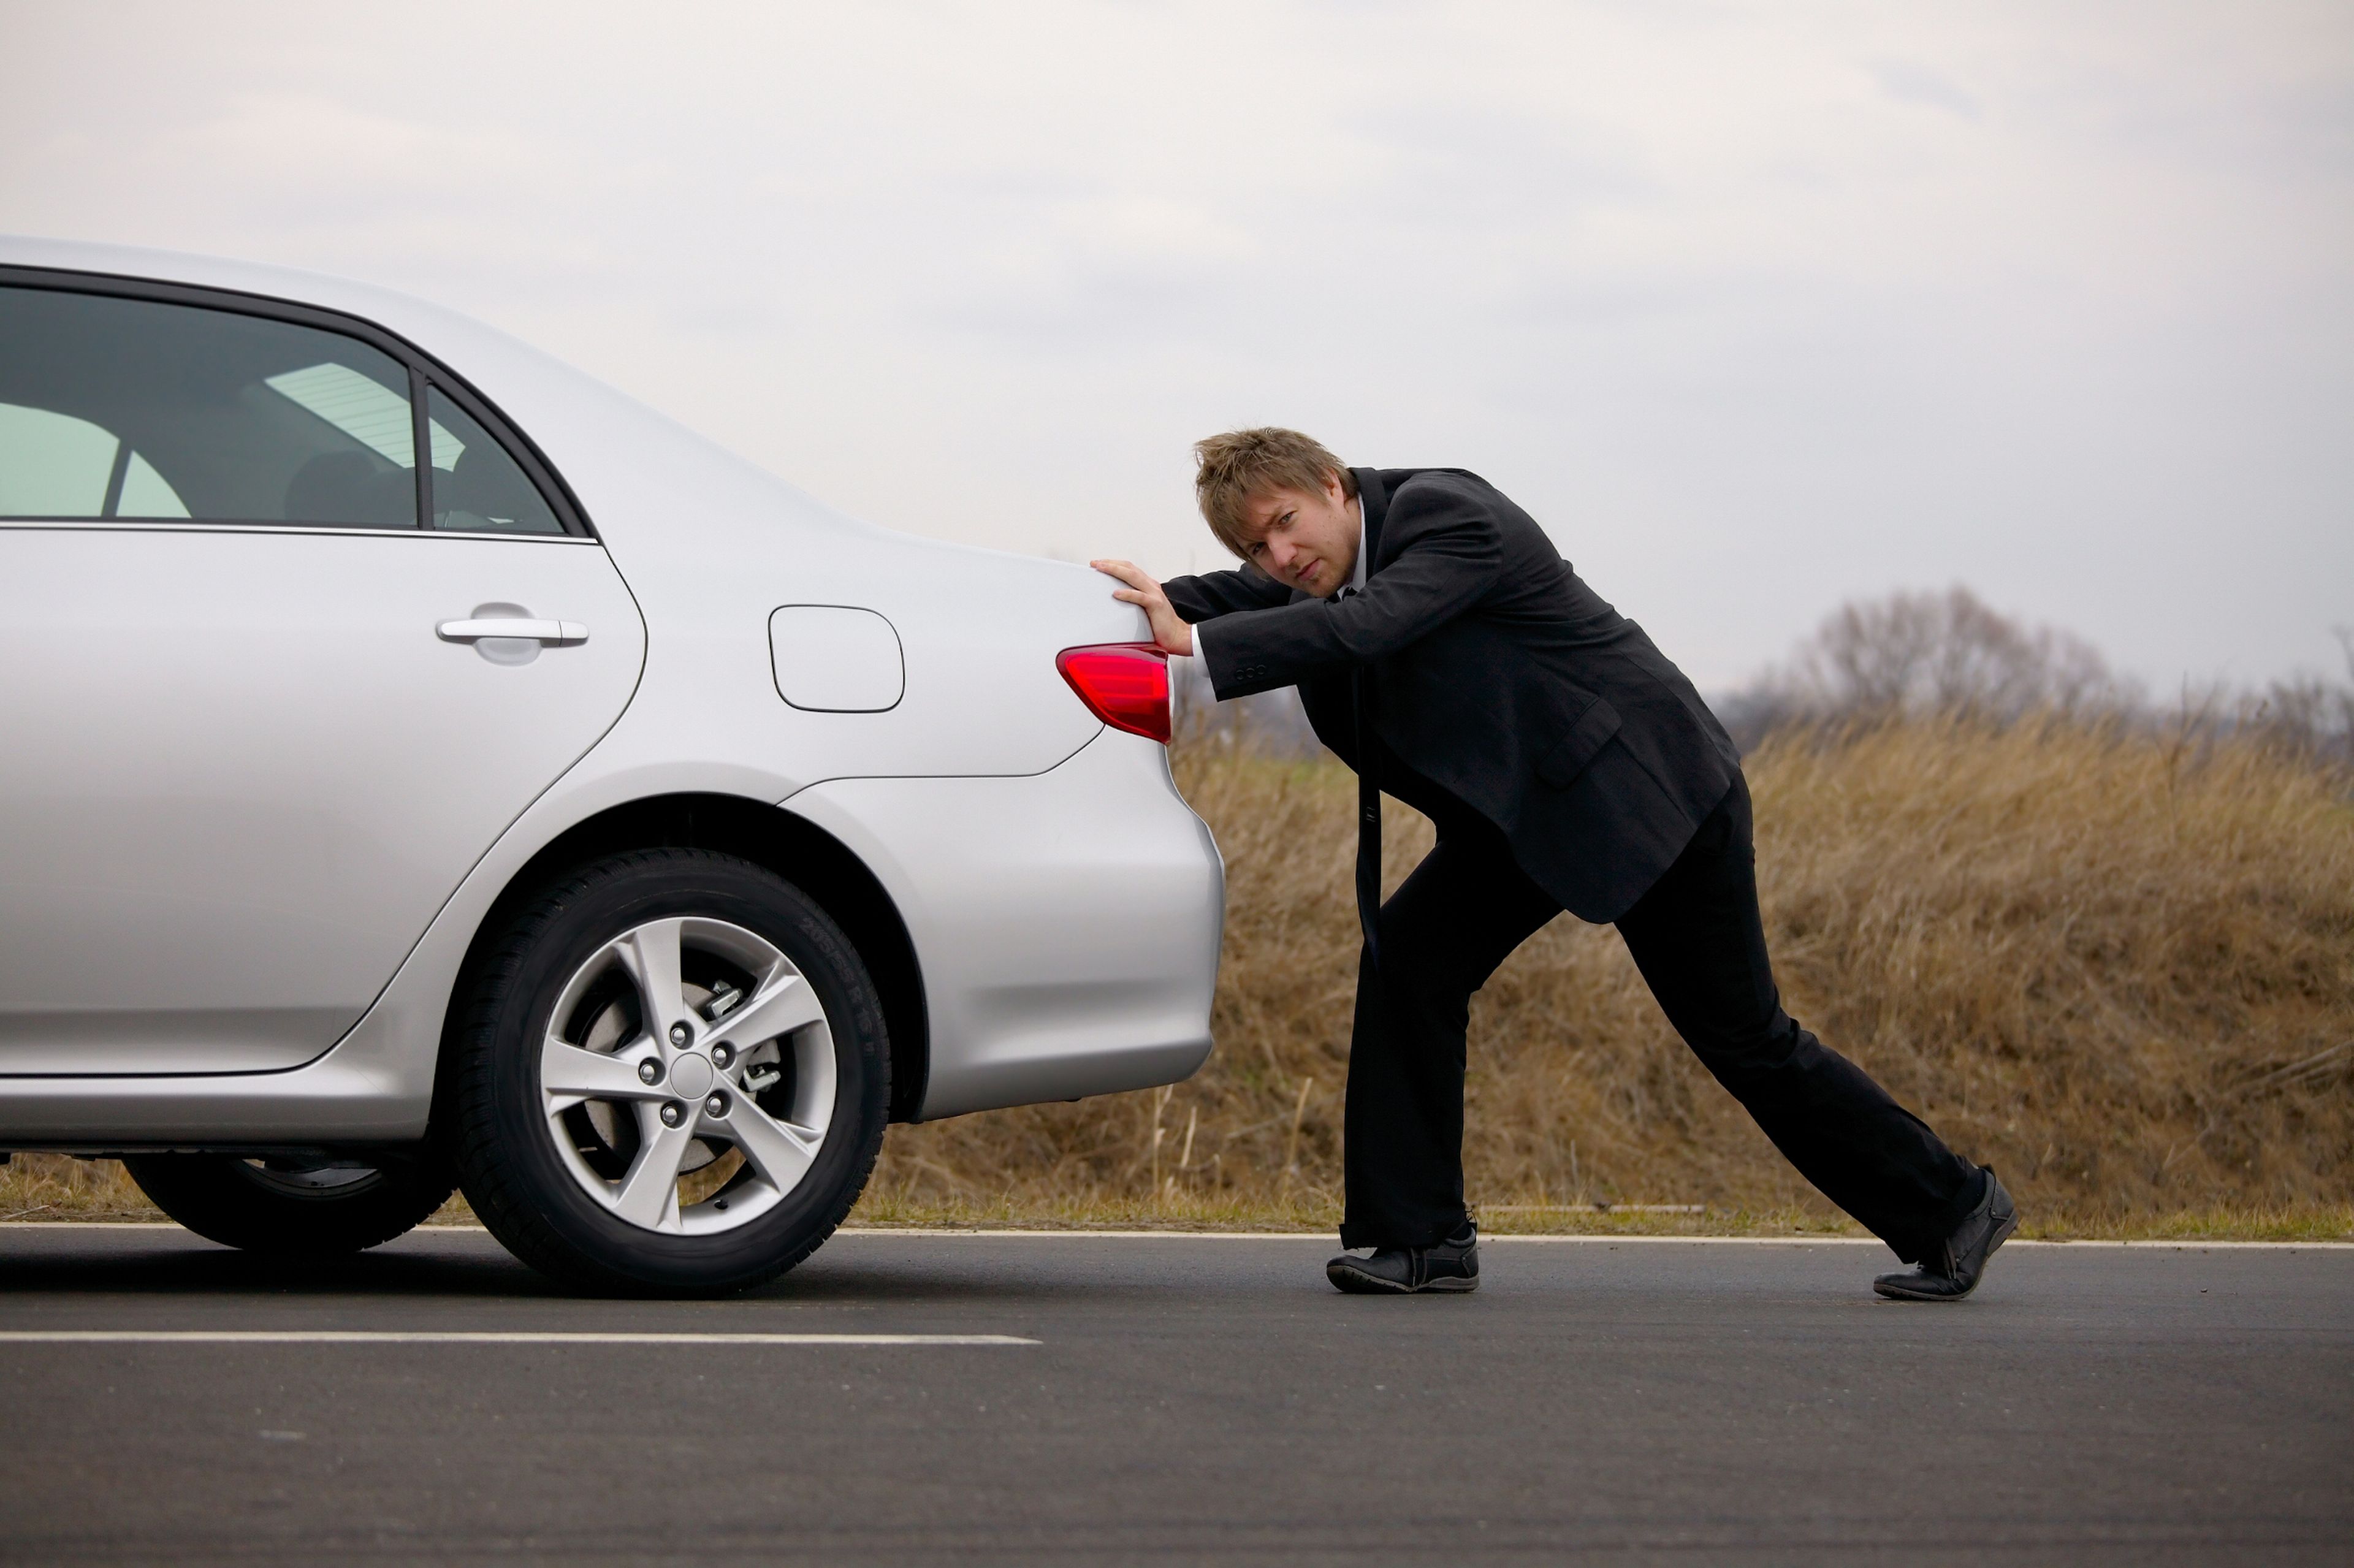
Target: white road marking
455	1337
2185	1244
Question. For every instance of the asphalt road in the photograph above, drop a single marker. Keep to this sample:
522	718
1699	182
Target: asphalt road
1185	1400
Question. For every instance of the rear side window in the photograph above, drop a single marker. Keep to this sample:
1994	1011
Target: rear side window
119	408
476	485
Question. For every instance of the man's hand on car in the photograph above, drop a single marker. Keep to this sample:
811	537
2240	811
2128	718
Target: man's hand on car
1144	592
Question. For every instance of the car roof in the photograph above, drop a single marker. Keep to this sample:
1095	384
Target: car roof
443	332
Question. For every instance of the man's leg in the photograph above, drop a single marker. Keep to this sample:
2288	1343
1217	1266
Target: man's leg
1443	933
1698	940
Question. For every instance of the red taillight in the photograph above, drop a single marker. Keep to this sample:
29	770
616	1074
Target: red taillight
1125	684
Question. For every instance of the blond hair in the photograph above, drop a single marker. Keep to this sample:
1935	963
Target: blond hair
1239	464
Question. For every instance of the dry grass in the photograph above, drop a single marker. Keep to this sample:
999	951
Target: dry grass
2120	969
55	1187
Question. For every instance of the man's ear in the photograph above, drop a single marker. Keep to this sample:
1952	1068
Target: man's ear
1334	488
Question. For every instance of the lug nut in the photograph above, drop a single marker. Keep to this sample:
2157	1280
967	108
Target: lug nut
673	1113
648	1072
716	1105
722	1053
680	1035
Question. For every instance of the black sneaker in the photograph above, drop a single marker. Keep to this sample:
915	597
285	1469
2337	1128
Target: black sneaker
1452	1265
1954	1270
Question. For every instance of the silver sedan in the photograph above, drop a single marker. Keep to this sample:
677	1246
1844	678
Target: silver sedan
425	765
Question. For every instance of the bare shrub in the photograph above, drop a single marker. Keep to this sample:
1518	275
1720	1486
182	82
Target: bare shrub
1916	653
2305	717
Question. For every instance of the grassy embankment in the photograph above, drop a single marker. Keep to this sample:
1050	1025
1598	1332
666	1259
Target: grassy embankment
2120	970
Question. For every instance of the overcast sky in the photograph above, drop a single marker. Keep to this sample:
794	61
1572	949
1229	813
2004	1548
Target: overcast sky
1756	308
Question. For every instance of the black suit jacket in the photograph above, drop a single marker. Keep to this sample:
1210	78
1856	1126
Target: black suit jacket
1496	675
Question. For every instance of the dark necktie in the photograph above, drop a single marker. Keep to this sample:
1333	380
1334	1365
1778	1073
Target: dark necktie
1369	812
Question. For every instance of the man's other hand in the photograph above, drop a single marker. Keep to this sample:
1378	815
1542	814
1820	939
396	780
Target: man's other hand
1142	591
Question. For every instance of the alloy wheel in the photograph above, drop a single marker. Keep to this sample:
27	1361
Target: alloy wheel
687	1076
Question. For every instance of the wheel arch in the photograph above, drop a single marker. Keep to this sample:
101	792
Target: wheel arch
795	849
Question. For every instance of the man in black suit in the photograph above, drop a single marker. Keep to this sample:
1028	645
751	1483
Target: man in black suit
1444	649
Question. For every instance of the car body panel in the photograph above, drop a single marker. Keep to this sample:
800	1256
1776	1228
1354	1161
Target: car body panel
1071	929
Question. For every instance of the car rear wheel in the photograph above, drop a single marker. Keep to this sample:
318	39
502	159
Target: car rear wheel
294	1205
673	1077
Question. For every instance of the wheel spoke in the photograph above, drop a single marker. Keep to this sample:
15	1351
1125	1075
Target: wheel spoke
649	1194
784	1002
568	1074
779	1150
650	955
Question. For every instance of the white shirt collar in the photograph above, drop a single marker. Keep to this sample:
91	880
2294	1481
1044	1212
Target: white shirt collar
1357	578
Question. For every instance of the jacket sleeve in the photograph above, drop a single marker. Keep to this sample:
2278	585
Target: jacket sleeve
1213	594
1446	553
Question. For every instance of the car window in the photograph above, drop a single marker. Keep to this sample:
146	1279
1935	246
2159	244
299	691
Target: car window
477	485
139	409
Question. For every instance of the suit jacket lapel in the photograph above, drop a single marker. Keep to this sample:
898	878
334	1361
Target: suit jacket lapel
1375	500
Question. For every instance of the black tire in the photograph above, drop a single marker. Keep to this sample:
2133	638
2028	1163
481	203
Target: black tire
295	1208
499	1135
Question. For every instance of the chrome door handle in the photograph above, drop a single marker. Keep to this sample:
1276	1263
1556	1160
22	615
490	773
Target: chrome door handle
557	633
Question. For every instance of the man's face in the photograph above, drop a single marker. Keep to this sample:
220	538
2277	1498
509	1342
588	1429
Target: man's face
1304	539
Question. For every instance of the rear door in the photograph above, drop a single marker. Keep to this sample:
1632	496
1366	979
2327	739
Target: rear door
271	686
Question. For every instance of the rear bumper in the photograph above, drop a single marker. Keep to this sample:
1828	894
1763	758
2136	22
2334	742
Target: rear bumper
1068	923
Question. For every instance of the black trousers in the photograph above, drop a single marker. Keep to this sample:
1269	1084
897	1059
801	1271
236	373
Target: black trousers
1698	940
